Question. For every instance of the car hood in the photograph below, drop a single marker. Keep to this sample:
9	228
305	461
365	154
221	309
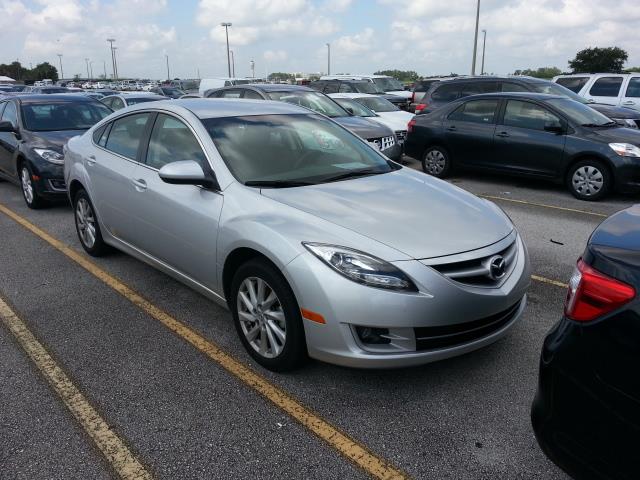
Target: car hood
615	112
619	231
616	135
54	140
394	120
410	212
363	127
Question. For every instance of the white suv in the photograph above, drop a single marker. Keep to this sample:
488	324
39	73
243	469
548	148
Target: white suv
384	82
621	89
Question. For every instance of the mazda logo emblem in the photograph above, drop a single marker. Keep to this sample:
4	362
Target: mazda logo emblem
497	267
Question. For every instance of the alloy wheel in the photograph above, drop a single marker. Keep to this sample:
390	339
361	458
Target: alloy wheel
587	180
86	222
435	162
261	317
27	185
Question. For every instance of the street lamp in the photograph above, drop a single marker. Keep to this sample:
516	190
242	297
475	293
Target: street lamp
115	60
484	44
113	57
168	76
87	62
61	71
91	68
253	68
226	26
475	41
328	59
233	65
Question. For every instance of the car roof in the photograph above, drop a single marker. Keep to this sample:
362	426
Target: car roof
134	95
351	95
272	87
529	95
53	97
204	108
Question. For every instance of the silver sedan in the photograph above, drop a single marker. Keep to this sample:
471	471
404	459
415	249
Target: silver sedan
319	245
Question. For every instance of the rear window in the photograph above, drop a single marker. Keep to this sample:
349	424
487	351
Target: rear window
606	87
574	84
476	111
446	92
424	85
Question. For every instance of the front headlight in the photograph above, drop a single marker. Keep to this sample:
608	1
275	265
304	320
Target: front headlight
626	122
50	156
361	267
625	149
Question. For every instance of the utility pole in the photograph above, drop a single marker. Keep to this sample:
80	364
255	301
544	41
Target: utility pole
475	41
168	76
233	65
91	68
87	62
115	60
113	57
104	69
484	44
253	68
226	26
328	59
61	71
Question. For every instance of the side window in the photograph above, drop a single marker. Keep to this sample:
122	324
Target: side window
574	84
446	93
214	94
108	102
476	111
10	114
172	141
117	103
233	93
513	87
345	88
126	134
98	134
250	94
528	115
606	87
331	87
633	89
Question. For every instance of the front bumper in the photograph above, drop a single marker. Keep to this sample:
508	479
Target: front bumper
627	175
50	180
440	302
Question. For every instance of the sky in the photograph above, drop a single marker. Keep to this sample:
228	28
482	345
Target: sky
431	37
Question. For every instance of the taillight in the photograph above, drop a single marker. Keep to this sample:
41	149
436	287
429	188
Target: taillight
593	294
413	97
421	106
411	124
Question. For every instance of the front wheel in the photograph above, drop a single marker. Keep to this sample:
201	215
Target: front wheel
31	196
267	316
436	162
589	180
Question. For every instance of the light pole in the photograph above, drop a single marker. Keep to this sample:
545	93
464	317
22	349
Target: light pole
475	41
233	65
484	44
168	76
87	62
91	68
115	61
226	26
328	59
61	71
104	69
113	57
253	68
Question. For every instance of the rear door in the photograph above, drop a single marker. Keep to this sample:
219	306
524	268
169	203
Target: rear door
631	96
469	131
606	89
9	142
522	142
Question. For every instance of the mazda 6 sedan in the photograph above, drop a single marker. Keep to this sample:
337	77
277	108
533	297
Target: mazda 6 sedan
319	245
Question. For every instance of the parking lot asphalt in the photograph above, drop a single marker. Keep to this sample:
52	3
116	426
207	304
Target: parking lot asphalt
184	416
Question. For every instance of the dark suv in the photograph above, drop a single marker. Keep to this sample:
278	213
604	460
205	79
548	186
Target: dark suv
447	90
357	86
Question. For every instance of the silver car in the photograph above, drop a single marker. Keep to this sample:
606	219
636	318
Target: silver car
319	245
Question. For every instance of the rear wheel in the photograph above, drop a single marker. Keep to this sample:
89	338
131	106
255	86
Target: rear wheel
267	316
436	162
87	225
589	180
31	196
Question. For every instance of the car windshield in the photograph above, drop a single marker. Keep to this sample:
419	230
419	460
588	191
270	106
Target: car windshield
312	100
366	87
136	100
580	113
555	89
378	104
357	109
45	117
292	150
388	84
172	92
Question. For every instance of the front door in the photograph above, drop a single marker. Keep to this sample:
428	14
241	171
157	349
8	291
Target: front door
631	95
9	142
606	90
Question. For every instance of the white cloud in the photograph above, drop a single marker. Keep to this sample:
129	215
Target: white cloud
275	56
350	45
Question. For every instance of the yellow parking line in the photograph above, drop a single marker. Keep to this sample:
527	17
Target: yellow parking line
555	207
112	447
345	445
549	281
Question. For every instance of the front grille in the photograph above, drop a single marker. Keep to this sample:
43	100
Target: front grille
401	135
383	143
444	336
479	272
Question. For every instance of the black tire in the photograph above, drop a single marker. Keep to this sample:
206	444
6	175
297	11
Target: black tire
589	180
293	352
436	162
29	192
98	248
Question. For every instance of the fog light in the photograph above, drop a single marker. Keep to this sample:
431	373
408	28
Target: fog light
373	336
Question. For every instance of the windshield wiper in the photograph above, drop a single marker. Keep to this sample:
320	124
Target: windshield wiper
277	183
352	174
608	124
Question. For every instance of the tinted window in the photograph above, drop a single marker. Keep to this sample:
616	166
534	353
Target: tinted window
215	94
423	85
172	141
579	112
365	87
62	115
312	100
633	90
252	95
126	134
513	87
318	85
105	134
574	84
476	111
98	134
354	107
475	88
10	114
606	87
528	115
446	92
136	100
331	87
345	88
377	104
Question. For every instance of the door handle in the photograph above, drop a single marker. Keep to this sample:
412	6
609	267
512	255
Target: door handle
502	134
629	102
91	160
452	128
140	184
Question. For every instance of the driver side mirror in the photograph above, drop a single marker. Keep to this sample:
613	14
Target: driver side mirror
350	110
186	172
7	127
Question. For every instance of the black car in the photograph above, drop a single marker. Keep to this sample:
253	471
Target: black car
33	130
446	90
357	86
49	90
170	92
373	132
545	136
586	412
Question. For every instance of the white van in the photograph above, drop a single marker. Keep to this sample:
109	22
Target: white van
384	82
621	89
211	83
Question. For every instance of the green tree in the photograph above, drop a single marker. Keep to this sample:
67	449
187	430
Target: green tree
401	75
281	77
542	72
44	70
632	70
599	60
